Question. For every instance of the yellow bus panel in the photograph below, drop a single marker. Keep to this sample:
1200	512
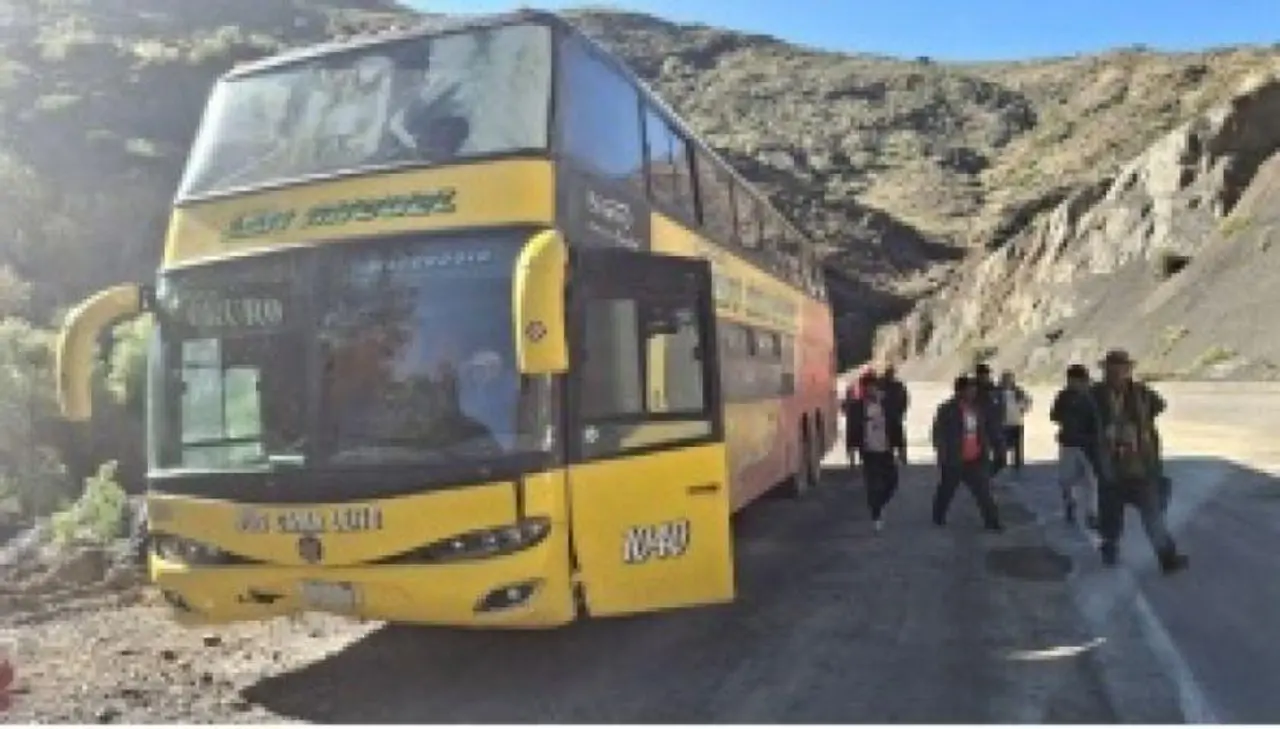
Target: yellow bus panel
520	191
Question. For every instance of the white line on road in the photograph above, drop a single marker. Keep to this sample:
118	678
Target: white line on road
1196	708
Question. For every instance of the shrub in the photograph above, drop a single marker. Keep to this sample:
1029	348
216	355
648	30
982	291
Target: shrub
126	376
98	516
30	471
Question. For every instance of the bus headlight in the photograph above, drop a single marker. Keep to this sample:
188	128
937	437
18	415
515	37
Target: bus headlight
187	551
480	544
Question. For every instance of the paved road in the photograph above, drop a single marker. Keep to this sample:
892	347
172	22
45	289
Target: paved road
836	624
833	624
1214	630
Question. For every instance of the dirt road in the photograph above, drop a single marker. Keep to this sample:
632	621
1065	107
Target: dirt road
832	623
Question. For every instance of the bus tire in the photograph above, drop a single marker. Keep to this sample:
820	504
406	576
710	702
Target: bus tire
805	476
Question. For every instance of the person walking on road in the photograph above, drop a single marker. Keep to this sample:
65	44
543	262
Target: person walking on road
1016	403
989	401
1078	433
896	401
851	402
962	437
870	431
1129	461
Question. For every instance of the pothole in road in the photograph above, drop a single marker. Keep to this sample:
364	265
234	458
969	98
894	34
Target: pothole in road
1032	564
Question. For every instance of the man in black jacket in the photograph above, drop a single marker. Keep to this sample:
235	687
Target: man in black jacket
1078	433
991	402
962	438
896	402
1129	461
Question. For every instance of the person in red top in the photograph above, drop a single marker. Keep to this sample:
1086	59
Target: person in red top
962	438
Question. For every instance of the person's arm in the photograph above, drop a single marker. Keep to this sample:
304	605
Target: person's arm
1025	400
854	426
1059	405
1158	405
936	431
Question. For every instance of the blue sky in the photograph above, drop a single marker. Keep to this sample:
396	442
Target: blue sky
960	29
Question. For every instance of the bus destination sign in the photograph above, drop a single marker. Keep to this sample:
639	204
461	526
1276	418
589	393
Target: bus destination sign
261	223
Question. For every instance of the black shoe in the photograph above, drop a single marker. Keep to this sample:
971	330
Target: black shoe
1109	555
939	522
996	528
1091	521
1173	562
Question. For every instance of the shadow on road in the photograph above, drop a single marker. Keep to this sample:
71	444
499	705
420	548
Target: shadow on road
832	623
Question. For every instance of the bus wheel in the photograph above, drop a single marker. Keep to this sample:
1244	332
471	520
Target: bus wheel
805	476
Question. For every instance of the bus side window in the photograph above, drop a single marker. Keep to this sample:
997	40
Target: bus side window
788	365
601	119
748	217
662	180
715	194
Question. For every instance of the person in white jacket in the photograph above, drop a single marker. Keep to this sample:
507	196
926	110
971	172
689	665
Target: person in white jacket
1016	403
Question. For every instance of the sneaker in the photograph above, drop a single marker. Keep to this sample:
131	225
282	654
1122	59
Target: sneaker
1109	555
1174	562
879	525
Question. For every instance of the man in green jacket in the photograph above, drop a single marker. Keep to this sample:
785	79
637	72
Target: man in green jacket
1129	469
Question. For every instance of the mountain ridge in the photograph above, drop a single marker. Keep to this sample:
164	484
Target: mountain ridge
898	168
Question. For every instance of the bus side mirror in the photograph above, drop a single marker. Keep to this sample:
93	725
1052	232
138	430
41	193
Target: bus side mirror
78	344
538	305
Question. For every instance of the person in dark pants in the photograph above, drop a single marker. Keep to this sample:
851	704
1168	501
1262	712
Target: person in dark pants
1129	461
1014	405
896	402
962	437
992	404
1078	433
869	430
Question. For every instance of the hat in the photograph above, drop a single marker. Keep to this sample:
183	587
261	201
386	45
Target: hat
982	368
1077	372
1117	357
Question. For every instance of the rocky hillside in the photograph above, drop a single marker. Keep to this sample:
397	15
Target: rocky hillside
1173	257
899	166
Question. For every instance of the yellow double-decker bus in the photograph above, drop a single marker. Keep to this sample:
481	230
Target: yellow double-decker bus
463	326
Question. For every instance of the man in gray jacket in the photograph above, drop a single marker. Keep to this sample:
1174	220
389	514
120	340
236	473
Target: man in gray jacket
1129	468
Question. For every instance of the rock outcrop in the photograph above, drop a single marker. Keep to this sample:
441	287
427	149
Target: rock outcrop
1106	266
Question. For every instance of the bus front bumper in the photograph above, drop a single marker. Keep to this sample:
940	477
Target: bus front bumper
524	590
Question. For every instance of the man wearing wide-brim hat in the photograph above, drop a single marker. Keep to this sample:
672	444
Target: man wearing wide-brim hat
1129	468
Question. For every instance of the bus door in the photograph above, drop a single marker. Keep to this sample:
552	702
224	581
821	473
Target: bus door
648	483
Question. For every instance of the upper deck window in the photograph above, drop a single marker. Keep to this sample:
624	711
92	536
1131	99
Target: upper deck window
421	101
601	125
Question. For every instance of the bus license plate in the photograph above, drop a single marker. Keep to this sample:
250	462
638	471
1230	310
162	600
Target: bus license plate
334	597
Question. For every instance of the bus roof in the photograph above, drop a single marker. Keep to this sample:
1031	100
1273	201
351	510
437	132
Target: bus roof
462	24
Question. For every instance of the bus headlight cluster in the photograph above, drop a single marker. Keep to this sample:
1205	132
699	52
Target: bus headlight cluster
187	551
488	542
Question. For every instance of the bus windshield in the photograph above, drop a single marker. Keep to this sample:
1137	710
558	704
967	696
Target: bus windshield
342	356
421	101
